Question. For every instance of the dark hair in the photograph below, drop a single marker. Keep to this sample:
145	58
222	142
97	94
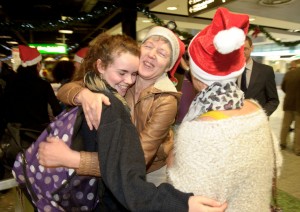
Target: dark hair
249	40
28	70
63	71
105	47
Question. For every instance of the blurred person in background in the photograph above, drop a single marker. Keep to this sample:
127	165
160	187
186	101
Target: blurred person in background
6	76
258	81
62	73
28	95
78	59
291	106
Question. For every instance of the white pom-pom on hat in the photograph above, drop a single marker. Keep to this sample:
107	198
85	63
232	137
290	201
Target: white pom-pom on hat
216	52
226	41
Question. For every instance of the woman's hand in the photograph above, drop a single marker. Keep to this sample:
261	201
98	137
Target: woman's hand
92	106
55	153
203	204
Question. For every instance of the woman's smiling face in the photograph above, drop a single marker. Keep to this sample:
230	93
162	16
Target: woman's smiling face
155	58
120	74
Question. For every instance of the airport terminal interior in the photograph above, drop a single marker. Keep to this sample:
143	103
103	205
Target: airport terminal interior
274	28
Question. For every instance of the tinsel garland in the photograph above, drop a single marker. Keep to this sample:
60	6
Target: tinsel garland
259	29
187	36
98	13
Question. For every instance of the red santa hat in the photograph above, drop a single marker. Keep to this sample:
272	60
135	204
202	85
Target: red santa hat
80	54
217	52
177	47
29	56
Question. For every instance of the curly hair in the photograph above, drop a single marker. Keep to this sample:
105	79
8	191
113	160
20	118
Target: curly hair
105	47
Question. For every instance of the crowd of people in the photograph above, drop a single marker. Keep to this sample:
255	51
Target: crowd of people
221	155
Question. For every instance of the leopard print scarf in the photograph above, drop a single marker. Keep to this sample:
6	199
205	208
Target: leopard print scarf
217	96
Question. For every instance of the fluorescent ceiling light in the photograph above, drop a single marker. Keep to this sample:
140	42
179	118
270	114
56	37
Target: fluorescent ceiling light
171	8
5	36
65	31
12	42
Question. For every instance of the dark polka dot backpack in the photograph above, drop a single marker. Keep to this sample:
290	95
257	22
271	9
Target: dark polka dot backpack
55	189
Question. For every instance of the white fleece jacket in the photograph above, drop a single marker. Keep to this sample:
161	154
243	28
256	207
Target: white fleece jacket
228	160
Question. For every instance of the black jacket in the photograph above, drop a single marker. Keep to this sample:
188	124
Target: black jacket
122	165
262	87
26	100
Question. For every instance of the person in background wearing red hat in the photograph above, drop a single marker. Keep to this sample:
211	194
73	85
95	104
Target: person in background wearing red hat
27	97
153	99
224	148
26	100
78	59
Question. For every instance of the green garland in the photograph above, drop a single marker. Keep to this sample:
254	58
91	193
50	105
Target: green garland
259	29
98	13
188	36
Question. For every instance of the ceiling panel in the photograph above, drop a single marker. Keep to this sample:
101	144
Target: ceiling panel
43	14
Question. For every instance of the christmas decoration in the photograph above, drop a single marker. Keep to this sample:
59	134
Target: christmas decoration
106	10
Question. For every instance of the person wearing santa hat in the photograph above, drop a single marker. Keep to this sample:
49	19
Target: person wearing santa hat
153	99
78	59
224	148
28	96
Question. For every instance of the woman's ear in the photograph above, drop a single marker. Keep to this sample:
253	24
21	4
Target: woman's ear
99	66
198	85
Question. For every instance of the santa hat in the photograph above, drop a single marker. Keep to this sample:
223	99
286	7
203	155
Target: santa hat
80	54
29	56
217	52
177	47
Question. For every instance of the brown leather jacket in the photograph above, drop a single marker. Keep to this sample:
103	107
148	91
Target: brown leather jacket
153	115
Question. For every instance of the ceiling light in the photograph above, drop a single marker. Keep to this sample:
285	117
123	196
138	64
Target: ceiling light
65	31
171	8
293	30
64	18
64	59
251	19
5	36
12	42
146	21
49	59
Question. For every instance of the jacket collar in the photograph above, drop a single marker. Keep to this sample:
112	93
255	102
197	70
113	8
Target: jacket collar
164	84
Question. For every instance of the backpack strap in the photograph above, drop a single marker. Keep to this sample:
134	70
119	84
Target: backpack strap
218	115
